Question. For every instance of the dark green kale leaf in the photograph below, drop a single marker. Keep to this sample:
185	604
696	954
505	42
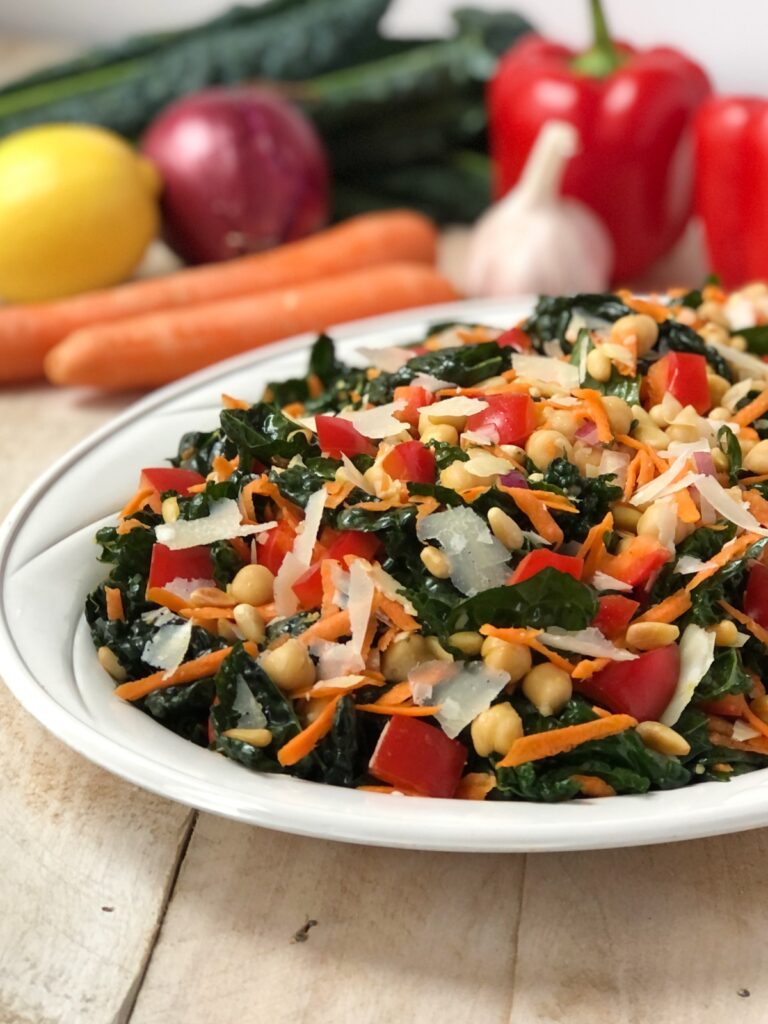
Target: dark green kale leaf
463	365
198	506
677	337
705	755
198	450
761	425
729	444
627	388
550	598
183	709
725	675
446	453
263	433
552	314
342	754
298	483
129	554
323	363
704	544
376	522
226	562
594	497
756	338
727	584
293	625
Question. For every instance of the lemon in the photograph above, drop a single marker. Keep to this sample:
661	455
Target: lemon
78	208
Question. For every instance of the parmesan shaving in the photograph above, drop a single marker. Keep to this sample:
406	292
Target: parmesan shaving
485	464
223	523
459	405
183	588
345	682
602	581
430	383
722	502
484	438
377	422
478	561
650	491
747	365
168	647
697	652
615	463
589	642
743	732
298	560
734	394
335	660
550	371
689	564
387	358
354	475
360	600
465	691
250	713
553	349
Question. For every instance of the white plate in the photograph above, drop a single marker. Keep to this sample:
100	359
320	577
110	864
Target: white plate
48	564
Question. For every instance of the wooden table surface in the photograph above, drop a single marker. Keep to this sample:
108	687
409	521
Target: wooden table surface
116	905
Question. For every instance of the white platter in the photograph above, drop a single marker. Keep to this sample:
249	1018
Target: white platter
48	564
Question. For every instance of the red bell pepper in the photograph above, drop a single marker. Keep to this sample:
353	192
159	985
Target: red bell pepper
635	565
414	397
168	478
337	437
515	338
418	758
732	186
684	376
756	594
634	112
613	614
309	587
513	417
540	559
279	541
642	688
411	461
167	565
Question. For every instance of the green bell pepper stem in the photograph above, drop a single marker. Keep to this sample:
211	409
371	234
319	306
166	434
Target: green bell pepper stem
602	59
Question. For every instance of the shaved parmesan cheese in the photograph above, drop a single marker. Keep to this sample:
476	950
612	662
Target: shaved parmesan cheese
589	642
564	400
666	519
487	436
377	422
747	365
354	475
689	564
290	572
551	371
697	652
740	312
360	600
347	682
184	588
734	394
535	538
722	502
485	464
602	581
553	349
334	660
168	647
650	491
430	383
459	405
158	617
478	561
250	713
684	448
616	463
387	358
670	407
618	353
743	731
388	585
340	580
298	560
223	523
466	690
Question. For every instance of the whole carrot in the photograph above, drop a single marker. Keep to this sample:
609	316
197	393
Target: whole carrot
28	332
149	350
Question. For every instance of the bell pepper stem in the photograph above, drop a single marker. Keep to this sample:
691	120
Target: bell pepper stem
602	58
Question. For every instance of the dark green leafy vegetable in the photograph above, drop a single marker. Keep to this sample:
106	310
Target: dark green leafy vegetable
728	443
263	433
704	543
726	675
727	584
552	315
550	598
294	625
226	562
183	709
129	554
594	496
445	454
627	388
298	483
198	450
677	337
756	339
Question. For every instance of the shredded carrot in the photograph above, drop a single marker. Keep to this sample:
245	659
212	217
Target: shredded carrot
234	403
190	671
597	413
754	721
115	610
601	712
669	609
473	493
386	638
747	481
295	749
266	488
207	613
267	611
633	472
406	710
137	502
397	615
384	505
398	694
224	468
330	628
338	492
159	595
328	607
592	548
758	506
757	631
554	501
321	689
733	549
528	637
373	625
128	525
686	507
656	310
641	446
593	785
197	488
426	505
757	407
647	469
475	786
589	666
539	515
557	741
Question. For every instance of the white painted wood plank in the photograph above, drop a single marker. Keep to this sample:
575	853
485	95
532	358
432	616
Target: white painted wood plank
658	935
401	937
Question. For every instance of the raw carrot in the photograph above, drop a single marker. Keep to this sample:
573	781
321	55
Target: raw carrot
306	741
587	667
528	637
28	332
406	710
557	741
756	408
592	785
475	786
732	549
186	673
669	609
207	613
148	350
539	515
115	609
754	721
597	413
166	598
330	628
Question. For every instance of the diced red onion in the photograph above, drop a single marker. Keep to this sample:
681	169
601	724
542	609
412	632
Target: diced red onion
587	433
705	463
515	479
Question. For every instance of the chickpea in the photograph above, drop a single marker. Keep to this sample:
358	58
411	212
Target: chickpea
718	386
436	651
626	517
662	739
544	446
643	327
290	666
496	729
514	659
467	642
440	432
759	707
458	478
739	343
726	633
435	562
586	456
647	636
619	414
254	584
712	312
746	444
403	655
719	413
716	333
756	460
250	623
505	529
599	365
563	422
647	431
548	688
682	432
108	661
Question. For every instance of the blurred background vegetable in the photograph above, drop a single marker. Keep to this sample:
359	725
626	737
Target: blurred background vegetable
243	170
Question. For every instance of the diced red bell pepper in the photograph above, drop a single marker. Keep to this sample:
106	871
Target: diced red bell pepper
279	541
513	417
684	376
337	437
515	338
413	462
414	396
756	594
642	688
168	478
309	587
540	559
732	705
635	565
418	758
187	564
613	614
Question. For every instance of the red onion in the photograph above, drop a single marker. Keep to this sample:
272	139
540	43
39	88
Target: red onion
587	433
243	170
705	463
515	479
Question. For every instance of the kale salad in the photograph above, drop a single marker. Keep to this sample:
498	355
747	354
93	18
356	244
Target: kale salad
501	563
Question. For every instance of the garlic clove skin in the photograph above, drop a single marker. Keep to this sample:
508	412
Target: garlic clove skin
535	240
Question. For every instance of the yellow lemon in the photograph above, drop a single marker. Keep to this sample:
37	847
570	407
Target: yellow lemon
78	208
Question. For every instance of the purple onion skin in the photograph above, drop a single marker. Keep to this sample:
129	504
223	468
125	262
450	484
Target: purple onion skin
515	479
243	171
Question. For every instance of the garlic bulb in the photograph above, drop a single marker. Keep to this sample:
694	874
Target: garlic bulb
535	240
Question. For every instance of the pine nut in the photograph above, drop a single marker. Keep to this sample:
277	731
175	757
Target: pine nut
467	642
170	509
108	661
436	562
250	623
662	739
505	529
647	636
290	666
756	460
726	633
255	737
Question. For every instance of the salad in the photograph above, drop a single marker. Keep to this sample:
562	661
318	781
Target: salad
522	563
